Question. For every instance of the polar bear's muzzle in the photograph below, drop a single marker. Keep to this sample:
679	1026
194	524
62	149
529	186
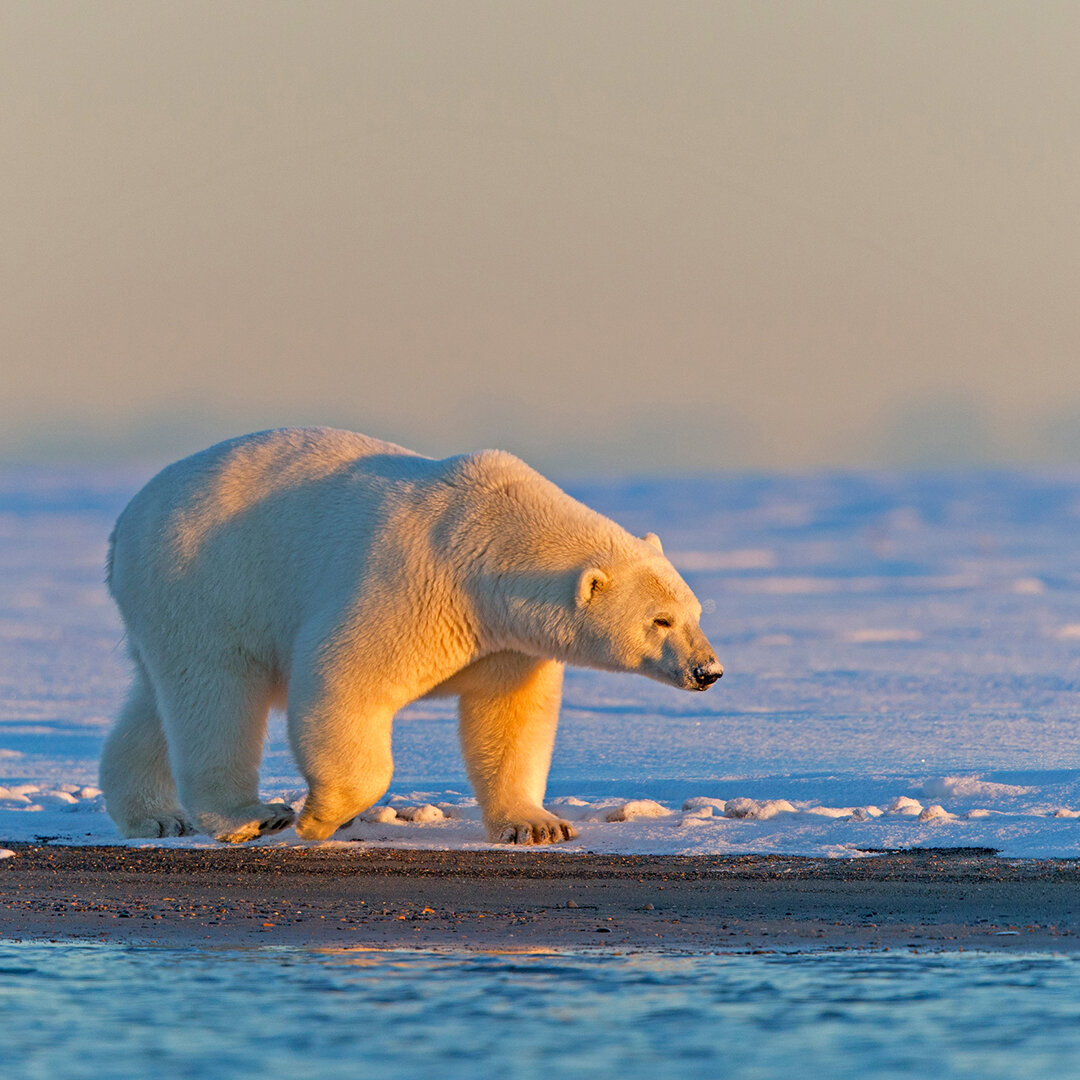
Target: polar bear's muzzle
706	674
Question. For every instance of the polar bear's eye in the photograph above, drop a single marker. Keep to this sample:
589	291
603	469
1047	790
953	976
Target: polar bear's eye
662	620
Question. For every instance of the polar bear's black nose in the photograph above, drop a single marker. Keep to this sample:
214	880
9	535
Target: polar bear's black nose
707	674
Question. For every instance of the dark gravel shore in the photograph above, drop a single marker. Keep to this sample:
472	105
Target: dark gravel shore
537	899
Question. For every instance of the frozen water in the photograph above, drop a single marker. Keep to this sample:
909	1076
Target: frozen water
91	1010
885	636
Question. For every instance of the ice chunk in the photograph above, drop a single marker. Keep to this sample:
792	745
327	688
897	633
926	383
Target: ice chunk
760	811
380	815
935	813
420	815
904	805
637	808
56	798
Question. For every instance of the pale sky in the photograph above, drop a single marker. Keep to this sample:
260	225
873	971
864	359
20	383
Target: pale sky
631	235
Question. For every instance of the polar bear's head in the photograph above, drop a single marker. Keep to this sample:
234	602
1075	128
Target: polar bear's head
634	613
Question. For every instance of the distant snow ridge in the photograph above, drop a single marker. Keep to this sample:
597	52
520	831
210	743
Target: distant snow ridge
968	787
711	561
881	637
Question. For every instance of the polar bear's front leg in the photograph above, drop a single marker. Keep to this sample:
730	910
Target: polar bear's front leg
509	711
344	754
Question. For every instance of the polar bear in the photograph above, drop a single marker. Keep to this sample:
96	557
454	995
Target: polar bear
345	577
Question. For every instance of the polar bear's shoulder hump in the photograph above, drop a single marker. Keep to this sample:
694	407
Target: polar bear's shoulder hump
489	470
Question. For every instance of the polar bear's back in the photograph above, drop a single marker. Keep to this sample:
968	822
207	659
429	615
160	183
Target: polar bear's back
229	526
250	467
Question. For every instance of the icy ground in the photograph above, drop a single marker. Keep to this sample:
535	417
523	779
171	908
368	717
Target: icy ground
902	659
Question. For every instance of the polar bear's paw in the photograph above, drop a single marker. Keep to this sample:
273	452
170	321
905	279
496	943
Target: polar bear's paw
310	827
158	825
532	827
248	822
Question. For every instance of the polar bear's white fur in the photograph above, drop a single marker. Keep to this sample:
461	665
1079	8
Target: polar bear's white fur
347	577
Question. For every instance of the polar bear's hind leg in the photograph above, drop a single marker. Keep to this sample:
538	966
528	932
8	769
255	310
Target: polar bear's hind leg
140	793
215	724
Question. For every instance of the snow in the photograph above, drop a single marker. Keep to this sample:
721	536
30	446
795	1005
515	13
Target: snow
421	815
637	809
971	787
902	659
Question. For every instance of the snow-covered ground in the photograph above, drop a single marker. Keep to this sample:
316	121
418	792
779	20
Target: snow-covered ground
902	659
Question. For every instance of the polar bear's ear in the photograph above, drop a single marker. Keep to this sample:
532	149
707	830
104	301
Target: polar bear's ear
653	541
591	581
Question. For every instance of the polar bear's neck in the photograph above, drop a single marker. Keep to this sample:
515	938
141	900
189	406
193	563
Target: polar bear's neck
520	544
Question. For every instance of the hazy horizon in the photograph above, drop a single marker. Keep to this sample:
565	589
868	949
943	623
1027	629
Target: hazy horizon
605	235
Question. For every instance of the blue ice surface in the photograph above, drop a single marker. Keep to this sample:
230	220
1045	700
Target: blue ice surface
93	1010
874	625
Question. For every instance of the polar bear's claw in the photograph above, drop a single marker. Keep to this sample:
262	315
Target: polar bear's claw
278	821
159	826
178	826
268	818
537	832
